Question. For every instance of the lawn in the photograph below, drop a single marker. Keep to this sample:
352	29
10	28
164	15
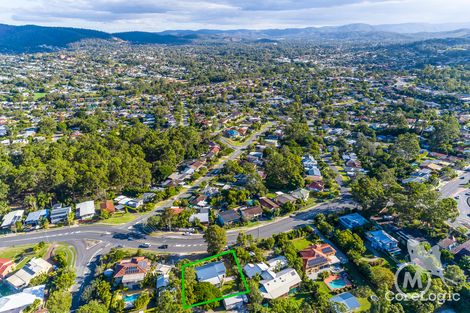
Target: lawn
22	254
301	243
70	253
229	288
120	218
354	274
365	304
39	95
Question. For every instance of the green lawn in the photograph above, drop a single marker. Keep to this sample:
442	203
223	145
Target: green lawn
70	252
229	288
120	218
365	304
39	95
301	243
22	254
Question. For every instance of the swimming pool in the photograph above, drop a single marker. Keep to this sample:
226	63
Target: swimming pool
337	283
131	298
4	290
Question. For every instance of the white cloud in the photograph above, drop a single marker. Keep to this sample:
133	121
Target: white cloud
153	15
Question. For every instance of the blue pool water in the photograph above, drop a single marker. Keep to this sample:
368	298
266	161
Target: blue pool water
337	283
131	298
4	290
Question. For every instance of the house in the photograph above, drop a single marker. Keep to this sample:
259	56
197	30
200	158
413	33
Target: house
268	204
213	273
34	218
135	203
6	267
351	221
252	270
17	302
380	240
228	217
301	194
231	133
59	214
148	197
347	300
202	217
34	268
317	257
316	186
163	275
284	198
249	214
280	285
131	272
10	219
235	303
448	244
462	249
108	206
277	263
86	210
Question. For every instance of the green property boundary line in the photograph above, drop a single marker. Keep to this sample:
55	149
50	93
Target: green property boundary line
232	252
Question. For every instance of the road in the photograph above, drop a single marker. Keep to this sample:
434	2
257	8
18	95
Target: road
91	241
456	189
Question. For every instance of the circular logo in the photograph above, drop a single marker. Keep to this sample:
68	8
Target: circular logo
405	280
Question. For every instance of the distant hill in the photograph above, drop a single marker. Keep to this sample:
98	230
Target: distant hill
31	38
154	38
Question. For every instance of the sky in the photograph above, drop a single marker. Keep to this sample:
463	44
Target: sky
159	15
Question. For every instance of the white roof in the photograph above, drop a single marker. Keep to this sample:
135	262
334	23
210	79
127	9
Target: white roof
279	261
35	267
18	301
11	217
253	269
280	285
86	208
202	217
235	300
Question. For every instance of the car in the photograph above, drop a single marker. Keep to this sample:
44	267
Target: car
457	197
187	233
144	245
163	247
121	236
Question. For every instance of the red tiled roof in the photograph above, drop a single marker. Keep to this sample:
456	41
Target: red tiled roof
136	265
108	206
317	251
4	265
176	211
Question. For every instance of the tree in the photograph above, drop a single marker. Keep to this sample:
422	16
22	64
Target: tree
406	147
204	291
64	279
103	292
445	131
59	302
142	301
382	276
285	305
216	239
283	170
93	307
169	303
61	259
370	193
